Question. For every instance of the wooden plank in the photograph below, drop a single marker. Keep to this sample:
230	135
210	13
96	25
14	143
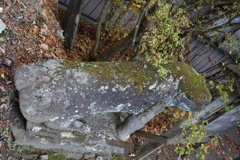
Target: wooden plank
88	9
97	11
85	3
224	123
150	136
174	134
146	150
210	61
202	56
198	47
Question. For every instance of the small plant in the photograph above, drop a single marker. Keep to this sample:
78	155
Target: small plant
12	145
52	49
5	31
23	149
117	157
193	135
6	130
2	39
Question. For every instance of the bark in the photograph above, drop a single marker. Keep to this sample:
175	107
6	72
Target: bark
116	23
127	42
115	48
101	19
71	22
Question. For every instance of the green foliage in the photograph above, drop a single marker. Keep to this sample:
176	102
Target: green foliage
52	49
117	157
6	130
24	149
12	145
2	39
57	157
195	134
5	31
164	36
21	149
224	90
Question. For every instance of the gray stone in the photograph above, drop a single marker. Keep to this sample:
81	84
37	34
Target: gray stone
44	157
38	136
2	25
60	34
99	158
59	90
7	62
71	105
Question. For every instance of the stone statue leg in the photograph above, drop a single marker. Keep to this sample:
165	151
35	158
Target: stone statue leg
70	125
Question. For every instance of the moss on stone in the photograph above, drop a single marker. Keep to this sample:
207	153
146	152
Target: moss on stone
117	157
57	157
191	83
141	75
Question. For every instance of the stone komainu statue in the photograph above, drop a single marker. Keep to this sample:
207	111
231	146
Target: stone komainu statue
58	96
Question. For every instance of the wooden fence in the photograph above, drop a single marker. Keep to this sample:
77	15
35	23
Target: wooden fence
174	135
91	8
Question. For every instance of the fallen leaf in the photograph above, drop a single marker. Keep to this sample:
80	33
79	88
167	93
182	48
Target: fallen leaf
3	100
3	89
3	76
132	155
2	50
44	46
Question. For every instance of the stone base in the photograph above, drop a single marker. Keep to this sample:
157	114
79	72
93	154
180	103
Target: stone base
100	140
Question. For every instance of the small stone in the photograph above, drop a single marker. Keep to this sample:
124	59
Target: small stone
4	107
78	124
89	155
60	34
44	46
44	157
99	158
7	62
2	25
1	9
19	17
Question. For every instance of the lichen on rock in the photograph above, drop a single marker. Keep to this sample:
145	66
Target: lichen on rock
141	75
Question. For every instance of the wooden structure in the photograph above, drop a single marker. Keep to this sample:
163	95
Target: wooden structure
206	59
91	8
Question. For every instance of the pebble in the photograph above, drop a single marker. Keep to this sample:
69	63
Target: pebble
7	62
2	25
99	158
4	107
44	157
60	34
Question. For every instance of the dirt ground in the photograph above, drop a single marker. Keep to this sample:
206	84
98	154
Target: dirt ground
31	37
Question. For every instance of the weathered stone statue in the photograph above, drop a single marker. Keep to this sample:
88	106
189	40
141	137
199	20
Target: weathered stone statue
70	105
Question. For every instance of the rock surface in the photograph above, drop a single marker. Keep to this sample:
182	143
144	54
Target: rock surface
70	105
2	25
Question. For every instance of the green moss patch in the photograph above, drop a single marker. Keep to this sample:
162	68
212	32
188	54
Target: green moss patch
139	74
191	83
